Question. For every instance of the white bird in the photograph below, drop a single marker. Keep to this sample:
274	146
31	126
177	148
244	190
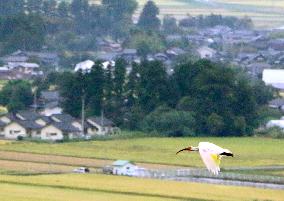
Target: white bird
211	155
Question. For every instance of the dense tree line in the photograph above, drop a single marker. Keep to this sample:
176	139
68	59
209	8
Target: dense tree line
201	98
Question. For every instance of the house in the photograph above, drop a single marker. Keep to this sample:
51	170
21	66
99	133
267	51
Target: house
67	119
22	124
124	167
60	131
25	68
277	103
17	56
129	55
85	66
277	44
49	103
161	57
206	52
275	123
100	126
33	125
256	69
174	52
274	77
44	58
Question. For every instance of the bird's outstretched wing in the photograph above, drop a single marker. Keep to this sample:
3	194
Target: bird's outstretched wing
210	154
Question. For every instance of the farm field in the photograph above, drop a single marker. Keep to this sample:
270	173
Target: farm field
249	152
101	187
264	13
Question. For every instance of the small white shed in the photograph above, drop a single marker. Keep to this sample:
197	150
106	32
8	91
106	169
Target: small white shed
124	167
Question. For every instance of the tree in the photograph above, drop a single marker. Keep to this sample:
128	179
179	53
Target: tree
49	7
119	9
119	14
70	87
95	90
223	102
23	31
63	9
80	11
34	6
16	95
170	25
153	86
215	124
169	122
148	19
11	7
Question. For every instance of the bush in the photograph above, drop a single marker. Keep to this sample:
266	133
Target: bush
273	132
20	138
169	122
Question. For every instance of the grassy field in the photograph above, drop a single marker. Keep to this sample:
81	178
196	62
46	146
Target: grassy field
100	187
248	151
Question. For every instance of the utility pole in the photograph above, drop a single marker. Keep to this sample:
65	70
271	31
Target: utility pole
83	113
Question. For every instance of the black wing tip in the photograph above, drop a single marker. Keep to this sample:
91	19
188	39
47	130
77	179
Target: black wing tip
227	154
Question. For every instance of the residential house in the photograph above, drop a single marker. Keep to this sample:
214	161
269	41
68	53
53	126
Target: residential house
20	124
60	131
277	44
124	167
277	103
256	69
100	126
49	103
17	56
275	123
33	125
129	55
206	52
84	66
45	58
174	52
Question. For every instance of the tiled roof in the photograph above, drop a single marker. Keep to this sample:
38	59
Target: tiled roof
64	117
67	127
120	163
101	121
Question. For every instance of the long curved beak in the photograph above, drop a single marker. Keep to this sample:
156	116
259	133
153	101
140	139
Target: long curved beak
185	149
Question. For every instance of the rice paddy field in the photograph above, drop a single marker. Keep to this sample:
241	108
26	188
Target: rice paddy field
265	13
249	151
33	171
73	187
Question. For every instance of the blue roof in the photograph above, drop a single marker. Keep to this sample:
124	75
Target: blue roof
120	163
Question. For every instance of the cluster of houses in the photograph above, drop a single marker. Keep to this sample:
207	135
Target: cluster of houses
26	65
253	50
57	127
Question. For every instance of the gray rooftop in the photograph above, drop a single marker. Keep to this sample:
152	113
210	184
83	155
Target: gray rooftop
101	121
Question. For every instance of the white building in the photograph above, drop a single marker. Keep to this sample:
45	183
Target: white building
124	167
206	52
275	123
274	77
85	66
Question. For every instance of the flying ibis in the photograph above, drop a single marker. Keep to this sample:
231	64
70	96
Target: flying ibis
211	155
